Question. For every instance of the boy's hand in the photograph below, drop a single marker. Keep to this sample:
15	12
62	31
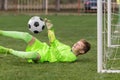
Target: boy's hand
48	23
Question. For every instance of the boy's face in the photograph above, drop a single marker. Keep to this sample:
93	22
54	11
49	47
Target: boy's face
79	47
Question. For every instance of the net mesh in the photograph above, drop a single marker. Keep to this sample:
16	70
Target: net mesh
111	54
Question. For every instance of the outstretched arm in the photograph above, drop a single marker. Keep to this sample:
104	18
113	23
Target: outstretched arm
51	34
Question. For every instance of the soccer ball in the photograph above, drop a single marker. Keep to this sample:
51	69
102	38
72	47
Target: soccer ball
36	24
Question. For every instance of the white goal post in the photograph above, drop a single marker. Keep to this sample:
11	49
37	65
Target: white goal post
108	59
99	36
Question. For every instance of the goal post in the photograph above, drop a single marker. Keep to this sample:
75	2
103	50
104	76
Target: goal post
99	35
108	36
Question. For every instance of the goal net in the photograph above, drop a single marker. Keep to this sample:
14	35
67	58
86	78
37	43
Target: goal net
108	30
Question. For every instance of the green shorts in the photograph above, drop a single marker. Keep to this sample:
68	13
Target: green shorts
38	46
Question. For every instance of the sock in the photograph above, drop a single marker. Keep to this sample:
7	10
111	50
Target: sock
25	55
4	50
18	35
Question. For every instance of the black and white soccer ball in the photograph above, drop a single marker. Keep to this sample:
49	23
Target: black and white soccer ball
36	24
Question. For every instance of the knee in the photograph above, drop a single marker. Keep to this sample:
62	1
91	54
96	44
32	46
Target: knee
27	34
27	37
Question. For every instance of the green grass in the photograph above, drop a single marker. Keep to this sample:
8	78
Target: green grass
69	29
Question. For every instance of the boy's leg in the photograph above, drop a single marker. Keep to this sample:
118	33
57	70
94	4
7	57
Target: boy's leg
25	55
3	50
18	35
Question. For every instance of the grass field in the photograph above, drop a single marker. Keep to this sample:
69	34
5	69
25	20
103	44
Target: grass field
68	30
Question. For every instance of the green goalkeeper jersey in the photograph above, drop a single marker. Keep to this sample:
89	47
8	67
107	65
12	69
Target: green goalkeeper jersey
56	52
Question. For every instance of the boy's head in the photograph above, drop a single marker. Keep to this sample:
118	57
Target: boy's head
81	47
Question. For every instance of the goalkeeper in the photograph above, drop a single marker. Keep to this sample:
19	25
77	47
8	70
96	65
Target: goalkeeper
37	51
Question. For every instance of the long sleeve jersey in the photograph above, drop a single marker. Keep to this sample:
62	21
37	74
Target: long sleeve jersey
56	52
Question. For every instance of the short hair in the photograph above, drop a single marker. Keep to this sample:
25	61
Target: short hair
87	45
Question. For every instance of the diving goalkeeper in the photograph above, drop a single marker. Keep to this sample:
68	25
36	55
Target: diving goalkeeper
37	51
